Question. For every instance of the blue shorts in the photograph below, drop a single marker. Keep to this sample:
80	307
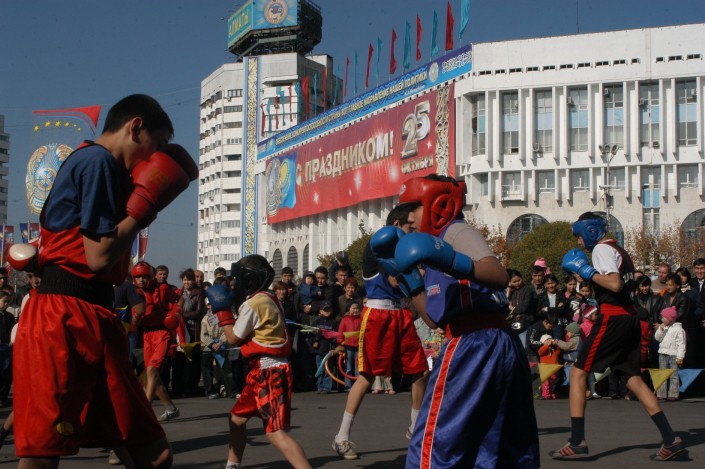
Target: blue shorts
478	408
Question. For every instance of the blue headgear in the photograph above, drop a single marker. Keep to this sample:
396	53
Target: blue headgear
591	230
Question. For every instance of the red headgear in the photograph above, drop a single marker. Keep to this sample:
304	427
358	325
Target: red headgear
442	201
141	268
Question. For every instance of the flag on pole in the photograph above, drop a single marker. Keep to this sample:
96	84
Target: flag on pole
264	119
55	134
269	114
370	51
355	74
392	60
345	85
379	53
335	85
282	100
449	28
29	231
305	91
464	16
325	87
299	96
290	100
418	38
8	239
407	47
434	31
315	93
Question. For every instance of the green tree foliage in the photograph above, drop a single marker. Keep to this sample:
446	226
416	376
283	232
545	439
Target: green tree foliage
550	241
355	251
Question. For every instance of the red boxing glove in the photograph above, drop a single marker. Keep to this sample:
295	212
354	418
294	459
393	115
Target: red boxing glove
158	181
225	318
23	256
173	317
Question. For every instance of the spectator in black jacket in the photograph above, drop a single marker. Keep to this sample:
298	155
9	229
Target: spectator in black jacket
522	305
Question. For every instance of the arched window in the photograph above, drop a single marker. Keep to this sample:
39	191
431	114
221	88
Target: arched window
522	226
694	225
614	227
277	263
305	260
292	260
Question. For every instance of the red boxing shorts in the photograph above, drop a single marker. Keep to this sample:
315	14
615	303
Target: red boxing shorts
156	344
267	395
74	386
389	342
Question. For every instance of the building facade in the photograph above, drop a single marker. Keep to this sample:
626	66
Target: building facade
548	128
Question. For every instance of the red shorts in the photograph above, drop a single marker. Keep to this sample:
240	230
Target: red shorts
156	344
267	395
73	383
389	343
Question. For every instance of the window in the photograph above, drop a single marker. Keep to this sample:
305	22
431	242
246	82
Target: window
688	176
544	120
522	226
615	179
651	197
578	119
686	114
232	108
479	119
511	186
614	115
546	181
510	119
649	115
233	157
580	180
484	185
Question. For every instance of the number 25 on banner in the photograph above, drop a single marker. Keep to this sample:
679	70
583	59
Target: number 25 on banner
416	127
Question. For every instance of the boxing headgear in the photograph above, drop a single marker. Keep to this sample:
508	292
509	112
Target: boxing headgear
252	274
591	230
442	199
141	268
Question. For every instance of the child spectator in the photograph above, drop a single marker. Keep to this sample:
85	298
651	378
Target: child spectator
571	344
671	352
7	322
350	294
309	291
350	326
323	341
549	353
553	301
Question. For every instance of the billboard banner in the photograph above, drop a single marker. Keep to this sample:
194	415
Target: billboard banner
261	14
443	69
365	161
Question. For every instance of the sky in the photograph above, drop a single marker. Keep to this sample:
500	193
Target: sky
70	53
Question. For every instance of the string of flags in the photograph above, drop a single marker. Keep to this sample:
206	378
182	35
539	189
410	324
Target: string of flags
658	375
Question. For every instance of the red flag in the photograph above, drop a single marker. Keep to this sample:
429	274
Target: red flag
325	81
290	99
392	60
449	28
305	90
276	111
418	38
369	59
345	85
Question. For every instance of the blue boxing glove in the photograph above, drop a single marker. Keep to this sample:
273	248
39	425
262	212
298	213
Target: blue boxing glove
221	298
383	243
422	248
575	261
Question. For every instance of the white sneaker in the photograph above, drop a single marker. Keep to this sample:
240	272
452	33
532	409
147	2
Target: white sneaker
113	458
169	415
345	449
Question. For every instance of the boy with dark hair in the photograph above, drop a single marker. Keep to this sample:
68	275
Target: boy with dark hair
103	194
261	333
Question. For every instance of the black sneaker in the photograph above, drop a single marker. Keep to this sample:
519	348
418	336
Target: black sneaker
570	451
669	452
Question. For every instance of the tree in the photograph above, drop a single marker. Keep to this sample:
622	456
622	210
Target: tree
495	239
550	241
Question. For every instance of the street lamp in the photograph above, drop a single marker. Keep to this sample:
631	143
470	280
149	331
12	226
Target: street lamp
608	153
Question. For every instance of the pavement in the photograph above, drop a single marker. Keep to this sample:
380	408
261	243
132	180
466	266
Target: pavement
620	434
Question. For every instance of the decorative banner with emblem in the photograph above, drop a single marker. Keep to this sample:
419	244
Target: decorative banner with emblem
55	135
365	161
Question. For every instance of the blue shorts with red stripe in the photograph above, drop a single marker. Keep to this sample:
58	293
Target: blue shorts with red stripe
478	408
614	342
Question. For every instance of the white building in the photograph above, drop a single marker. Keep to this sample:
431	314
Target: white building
223	118
4	169
548	128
